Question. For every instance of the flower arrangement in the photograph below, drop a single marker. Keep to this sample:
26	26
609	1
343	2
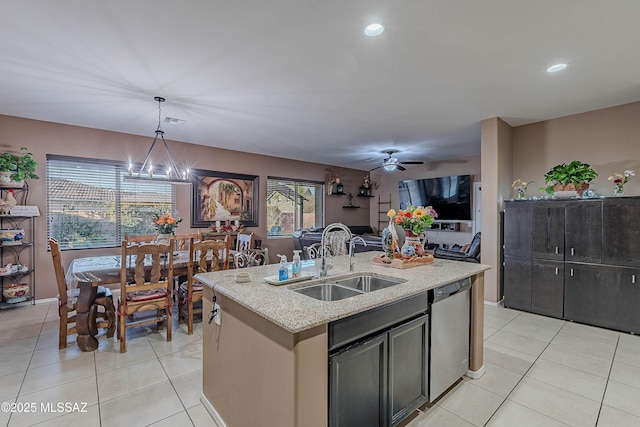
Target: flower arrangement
165	224
620	179
225	228
520	186
414	220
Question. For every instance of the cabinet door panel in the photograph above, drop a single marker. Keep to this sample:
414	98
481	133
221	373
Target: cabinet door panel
547	288
583	231
358	384
408	368
517	229
590	295
621	233
548	230
517	283
626	285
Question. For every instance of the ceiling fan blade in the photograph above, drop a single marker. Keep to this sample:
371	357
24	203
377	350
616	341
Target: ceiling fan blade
412	163
401	168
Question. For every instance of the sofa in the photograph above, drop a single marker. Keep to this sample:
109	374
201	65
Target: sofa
472	254
307	236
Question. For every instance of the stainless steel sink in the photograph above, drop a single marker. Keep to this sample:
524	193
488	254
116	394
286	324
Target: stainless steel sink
328	292
368	283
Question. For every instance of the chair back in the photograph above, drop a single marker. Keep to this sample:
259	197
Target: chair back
251	258
182	240
141	238
208	255
244	242
313	251
57	268
159	274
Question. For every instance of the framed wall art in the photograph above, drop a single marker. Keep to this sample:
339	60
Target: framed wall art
223	196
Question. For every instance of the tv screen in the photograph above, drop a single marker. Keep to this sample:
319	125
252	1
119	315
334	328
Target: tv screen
450	196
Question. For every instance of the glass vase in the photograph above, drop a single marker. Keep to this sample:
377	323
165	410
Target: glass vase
412	246
618	190
164	238
521	195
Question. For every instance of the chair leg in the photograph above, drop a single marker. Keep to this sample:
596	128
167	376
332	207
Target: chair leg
190	316
122	333
169	325
62	337
181	297
110	312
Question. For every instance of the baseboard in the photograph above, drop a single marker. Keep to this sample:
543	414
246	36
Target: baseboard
212	411
494	304
474	375
46	300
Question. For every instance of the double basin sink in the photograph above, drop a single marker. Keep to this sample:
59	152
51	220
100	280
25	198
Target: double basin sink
337	289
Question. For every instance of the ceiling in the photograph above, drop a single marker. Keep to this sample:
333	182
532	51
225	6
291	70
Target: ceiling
298	78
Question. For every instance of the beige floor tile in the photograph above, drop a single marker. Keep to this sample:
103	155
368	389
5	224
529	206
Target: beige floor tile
524	326
51	325
543	321
501	312
591	332
507	358
189	388
20	332
489	331
81	392
518	342
511	414
144	406
625	374
18	346
497	380
623	397
570	379
51	340
58	373
50	356
184	361
179	342
109	358
200	416
578	360
438	417
180	419
4	416
629	342
556	403
14	363
611	417
78	417
471	403
494	321
10	386
627	355
585	345
131	378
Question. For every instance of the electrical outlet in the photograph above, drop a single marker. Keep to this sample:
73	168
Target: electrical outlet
216	319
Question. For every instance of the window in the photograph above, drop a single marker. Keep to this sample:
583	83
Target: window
90	205
293	204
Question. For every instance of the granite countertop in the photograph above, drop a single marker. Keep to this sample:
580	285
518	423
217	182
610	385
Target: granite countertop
295	312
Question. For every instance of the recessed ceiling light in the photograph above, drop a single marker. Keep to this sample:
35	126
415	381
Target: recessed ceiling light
373	30
556	68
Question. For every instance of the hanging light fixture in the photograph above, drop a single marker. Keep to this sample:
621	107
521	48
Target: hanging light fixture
147	173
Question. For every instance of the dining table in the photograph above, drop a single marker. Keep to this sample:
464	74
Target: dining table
88	272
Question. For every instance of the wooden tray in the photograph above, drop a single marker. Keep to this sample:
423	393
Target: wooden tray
403	262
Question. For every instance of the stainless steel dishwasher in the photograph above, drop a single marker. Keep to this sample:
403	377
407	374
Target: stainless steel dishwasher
450	314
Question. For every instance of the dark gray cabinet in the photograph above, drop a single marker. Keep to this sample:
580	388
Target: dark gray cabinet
592	277
408	368
548	230
517	283
583	231
547	288
358	394
621	231
517	229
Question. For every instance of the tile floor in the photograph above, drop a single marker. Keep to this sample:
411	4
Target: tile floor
539	372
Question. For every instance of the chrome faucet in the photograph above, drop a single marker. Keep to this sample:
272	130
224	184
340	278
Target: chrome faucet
352	245
336	225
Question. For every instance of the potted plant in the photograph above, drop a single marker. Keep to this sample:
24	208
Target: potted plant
15	168
568	177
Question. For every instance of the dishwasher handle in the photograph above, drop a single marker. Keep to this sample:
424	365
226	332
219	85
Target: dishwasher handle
445	291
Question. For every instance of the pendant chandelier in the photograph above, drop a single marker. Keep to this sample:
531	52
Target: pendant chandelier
148	173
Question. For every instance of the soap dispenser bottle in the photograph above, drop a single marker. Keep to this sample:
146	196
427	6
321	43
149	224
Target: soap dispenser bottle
283	271
297	264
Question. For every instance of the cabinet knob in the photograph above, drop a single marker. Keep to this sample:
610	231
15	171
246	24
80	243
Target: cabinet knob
557	270
633	279
556	251
573	252
571	272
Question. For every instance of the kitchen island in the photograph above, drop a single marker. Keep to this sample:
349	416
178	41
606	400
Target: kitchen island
266	363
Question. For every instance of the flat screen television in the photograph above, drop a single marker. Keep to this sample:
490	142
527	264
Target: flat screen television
450	196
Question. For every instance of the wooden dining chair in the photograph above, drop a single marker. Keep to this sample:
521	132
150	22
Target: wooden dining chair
244	242
140	238
313	251
139	294
182	240
67	302
251	258
204	256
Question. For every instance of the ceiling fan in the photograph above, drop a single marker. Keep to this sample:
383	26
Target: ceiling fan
392	163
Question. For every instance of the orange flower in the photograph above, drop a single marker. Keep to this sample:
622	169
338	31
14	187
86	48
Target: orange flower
171	221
